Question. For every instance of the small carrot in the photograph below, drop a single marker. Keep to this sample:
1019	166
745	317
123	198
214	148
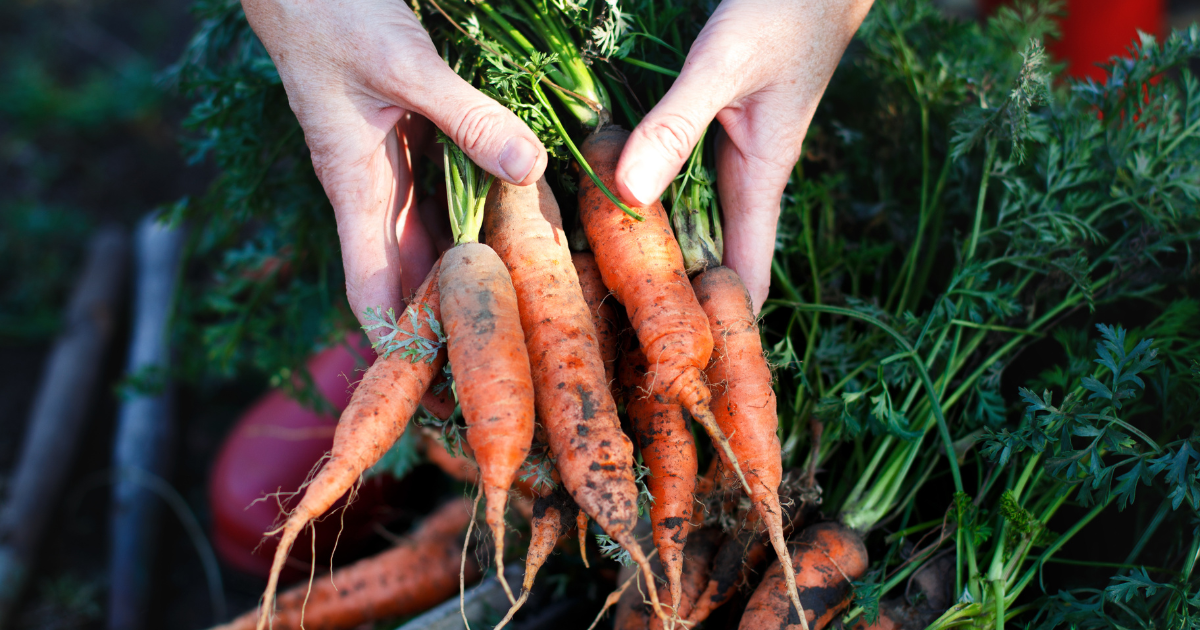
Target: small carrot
553	515
642	264
830	555
592	454
485	346
669	451
374	419
409	578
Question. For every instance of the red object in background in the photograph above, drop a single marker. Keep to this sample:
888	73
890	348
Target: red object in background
274	447
1095	30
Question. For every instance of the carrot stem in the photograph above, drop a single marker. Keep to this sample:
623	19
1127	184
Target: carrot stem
583	164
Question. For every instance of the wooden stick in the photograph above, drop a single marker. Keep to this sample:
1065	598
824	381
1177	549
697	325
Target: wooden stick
144	429
59	411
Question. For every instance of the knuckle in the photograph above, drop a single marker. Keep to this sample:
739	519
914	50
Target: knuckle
672	134
473	126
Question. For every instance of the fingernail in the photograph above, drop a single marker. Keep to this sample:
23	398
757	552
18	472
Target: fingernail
641	185
517	159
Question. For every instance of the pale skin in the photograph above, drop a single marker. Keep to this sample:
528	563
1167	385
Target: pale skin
365	81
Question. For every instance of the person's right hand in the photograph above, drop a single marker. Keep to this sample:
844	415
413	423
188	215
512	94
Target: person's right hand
359	76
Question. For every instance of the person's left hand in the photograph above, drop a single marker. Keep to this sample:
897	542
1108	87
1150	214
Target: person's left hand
759	67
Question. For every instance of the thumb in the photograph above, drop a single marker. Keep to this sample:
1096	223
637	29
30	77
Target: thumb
491	135
663	141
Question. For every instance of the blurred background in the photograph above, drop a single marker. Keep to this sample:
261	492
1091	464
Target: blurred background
89	137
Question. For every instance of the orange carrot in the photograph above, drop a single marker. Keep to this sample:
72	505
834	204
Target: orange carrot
604	315
642	264
830	556
669	451
739	557
491	372
374	419
592	454
553	516
417	574
701	547
743	400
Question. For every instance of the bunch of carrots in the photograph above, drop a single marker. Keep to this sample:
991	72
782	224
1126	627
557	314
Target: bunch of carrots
543	340
546	347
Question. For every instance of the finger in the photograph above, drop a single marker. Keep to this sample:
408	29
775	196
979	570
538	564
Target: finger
662	142
491	135
750	188
417	251
371	225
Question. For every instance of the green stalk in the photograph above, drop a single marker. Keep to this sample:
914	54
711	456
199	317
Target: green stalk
1057	544
649	66
983	186
910	353
780	277
939	210
583	164
467	187
910	262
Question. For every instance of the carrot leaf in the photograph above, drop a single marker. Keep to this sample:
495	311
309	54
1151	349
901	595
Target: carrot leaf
411	345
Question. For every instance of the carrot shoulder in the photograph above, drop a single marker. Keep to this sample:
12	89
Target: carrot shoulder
491	370
592	454
374	419
411	577
669	451
830	556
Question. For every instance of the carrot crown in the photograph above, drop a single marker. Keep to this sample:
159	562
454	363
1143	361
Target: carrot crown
543	52
466	191
695	215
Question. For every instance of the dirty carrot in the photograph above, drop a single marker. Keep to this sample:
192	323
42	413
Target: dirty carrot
374	419
743	400
592	454
642	264
485	346
669	451
553	516
418	573
830	555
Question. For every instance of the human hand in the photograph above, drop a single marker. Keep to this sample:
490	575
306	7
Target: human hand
362	76
759	67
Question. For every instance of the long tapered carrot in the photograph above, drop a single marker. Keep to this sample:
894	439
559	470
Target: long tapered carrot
743	400
669	451
491	371
600	302
553	515
411	577
374	419
642	264
830	556
592	454
702	546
